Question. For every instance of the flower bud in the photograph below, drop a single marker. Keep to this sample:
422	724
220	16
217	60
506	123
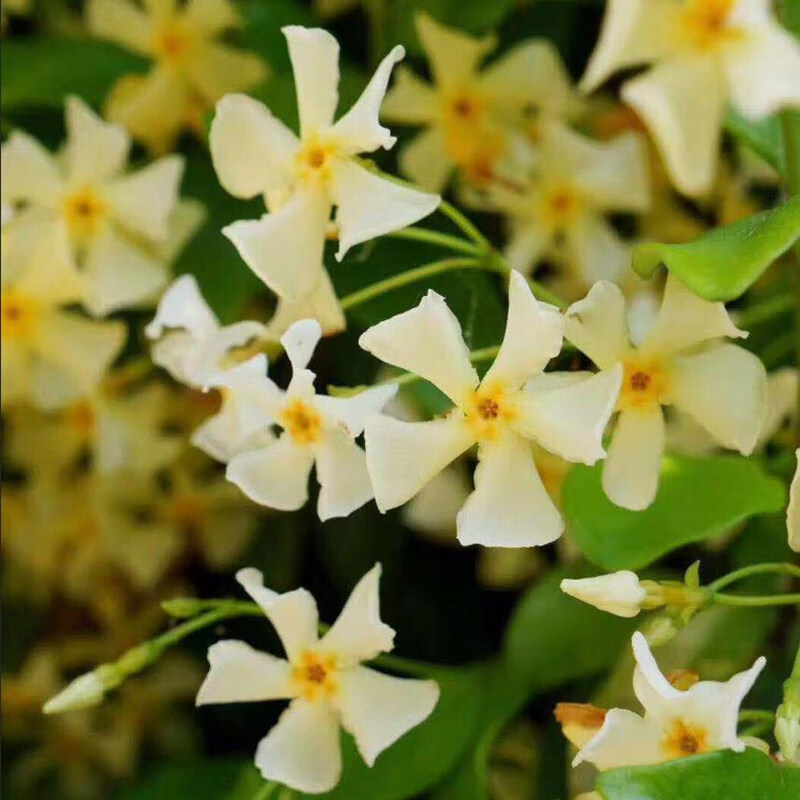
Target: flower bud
618	593
85	691
787	721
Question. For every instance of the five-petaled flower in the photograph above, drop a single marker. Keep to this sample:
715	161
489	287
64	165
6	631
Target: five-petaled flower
325	680
682	362
513	405
705	53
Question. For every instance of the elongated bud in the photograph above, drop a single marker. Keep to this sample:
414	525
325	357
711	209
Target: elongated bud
85	691
787	720
618	593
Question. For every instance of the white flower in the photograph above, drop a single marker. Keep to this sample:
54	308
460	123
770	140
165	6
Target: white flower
317	430
51	356
325	681
681	362
116	221
305	176
618	593
793	511
513	405
675	723
704	53
190	342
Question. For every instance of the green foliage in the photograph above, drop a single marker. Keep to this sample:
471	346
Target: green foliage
723	263
733	776
698	498
762	136
206	779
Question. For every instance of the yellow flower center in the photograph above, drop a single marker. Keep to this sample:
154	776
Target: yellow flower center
488	410
644	384
18	314
174	42
84	211
682	739
302	422
561	206
314	676
705	23
464	108
314	160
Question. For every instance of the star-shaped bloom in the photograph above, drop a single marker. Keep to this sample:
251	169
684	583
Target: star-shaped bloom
192	67
51	356
466	111
325	680
675	723
514	405
116	223
189	341
704	54
681	362
303	177
316	430
559	211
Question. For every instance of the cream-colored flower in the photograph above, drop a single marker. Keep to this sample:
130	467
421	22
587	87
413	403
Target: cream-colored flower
558	209
682	362
189	341
318	430
704	54
51	356
675	723
793	511
192	66
617	593
117	225
325	681
515	404
467	110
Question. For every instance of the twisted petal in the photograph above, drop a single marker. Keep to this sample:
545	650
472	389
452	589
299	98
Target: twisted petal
596	325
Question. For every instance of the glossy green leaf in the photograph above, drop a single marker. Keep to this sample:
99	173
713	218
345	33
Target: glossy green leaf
698	498
41	72
751	775
762	136
726	261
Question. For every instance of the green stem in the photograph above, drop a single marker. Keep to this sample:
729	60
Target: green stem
464	224
756	601
753	715
435	238
753	569
412	276
266	791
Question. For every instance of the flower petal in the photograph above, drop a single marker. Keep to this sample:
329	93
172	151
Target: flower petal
624	740
275	476
183	306
353	412
212	17
27	171
342	475
315	61
285	248
321	304
219	69
302	750
403	456
369	205
724	389
427	341
793	510
533	335
410	100
424	160
597	250
570	420
596	325
251	149
123	22
239	674
300	341
378	709
510	506
651	688
358	633
359	130
682	102
96	150
633	464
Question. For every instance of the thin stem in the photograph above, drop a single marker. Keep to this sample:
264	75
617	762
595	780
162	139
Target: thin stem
435	238
227	610
266	791
463	223
756	601
753	715
753	569
412	276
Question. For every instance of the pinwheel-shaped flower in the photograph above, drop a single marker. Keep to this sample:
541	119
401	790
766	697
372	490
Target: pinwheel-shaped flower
317	429
466	110
705	53
325	681
117	224
303	178
512	406
51	356
675	723
190	342
192	68
680	362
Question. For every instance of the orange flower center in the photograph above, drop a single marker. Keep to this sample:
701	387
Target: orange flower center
302	422
315	675
706	23
18	315
644	384
488	409
683	739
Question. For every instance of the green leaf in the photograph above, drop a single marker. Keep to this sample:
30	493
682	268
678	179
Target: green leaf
751	775
762	136
725	262
698	498
206	779
41	72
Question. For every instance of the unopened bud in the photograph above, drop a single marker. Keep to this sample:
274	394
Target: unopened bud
85	691
618	593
